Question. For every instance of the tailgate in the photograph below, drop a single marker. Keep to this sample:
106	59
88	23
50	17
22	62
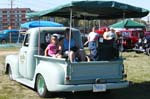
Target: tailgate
96	69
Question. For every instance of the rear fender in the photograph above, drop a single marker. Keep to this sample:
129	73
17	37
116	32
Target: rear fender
53	74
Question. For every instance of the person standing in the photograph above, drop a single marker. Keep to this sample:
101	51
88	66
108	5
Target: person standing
110	34
110	38
92	43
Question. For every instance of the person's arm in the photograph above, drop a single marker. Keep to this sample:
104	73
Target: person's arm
88	39
86	42
59	48
46	51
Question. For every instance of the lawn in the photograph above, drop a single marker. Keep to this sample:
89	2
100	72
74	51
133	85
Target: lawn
137	67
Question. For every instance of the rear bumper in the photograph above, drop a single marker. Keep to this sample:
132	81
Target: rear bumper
87	87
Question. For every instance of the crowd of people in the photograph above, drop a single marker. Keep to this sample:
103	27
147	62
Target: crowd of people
68	47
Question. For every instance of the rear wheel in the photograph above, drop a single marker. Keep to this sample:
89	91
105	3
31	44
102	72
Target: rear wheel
41	87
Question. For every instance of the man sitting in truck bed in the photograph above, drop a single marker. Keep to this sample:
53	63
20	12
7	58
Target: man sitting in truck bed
74	49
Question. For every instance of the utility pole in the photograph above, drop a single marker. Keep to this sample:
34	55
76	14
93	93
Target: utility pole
11	12
148	19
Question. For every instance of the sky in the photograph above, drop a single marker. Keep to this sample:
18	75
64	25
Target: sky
39	5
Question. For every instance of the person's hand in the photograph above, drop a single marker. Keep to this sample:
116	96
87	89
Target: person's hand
85	43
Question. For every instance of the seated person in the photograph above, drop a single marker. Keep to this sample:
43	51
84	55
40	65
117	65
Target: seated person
74	49
53	49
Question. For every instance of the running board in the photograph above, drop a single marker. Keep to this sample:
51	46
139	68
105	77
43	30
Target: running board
26	82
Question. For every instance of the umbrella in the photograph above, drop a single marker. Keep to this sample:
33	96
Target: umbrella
40	23
127	24
93	10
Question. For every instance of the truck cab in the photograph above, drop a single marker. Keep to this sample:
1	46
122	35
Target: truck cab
48	74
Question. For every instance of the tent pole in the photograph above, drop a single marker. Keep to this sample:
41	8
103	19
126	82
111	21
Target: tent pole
99	24
19	35
122	35
84	25
70	28
39	39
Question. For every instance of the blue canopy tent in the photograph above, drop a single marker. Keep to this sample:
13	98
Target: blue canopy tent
39	23
33	24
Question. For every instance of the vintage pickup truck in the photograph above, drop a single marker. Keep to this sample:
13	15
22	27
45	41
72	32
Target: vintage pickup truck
47	74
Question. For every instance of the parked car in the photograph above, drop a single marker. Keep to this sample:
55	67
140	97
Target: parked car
147	33
143	45
128	38
11	36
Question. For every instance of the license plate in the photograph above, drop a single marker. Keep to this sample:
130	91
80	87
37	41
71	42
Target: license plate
99	87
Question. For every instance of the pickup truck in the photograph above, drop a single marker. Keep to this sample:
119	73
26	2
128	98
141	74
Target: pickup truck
48	74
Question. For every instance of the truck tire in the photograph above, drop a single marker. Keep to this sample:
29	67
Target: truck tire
41	87
10	73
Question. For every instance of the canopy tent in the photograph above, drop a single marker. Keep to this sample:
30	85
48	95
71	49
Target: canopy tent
127	24
90	10
40	23
93	10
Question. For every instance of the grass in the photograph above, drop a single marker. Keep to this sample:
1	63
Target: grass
137	67
9	49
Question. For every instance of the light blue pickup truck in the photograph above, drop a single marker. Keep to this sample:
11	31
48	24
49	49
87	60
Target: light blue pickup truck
48	74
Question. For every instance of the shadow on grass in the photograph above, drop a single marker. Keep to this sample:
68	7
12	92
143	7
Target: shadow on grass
83	95
134	91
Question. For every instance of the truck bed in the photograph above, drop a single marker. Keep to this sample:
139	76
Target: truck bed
89	72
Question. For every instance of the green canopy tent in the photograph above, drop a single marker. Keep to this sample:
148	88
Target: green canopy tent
93	10
128	24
